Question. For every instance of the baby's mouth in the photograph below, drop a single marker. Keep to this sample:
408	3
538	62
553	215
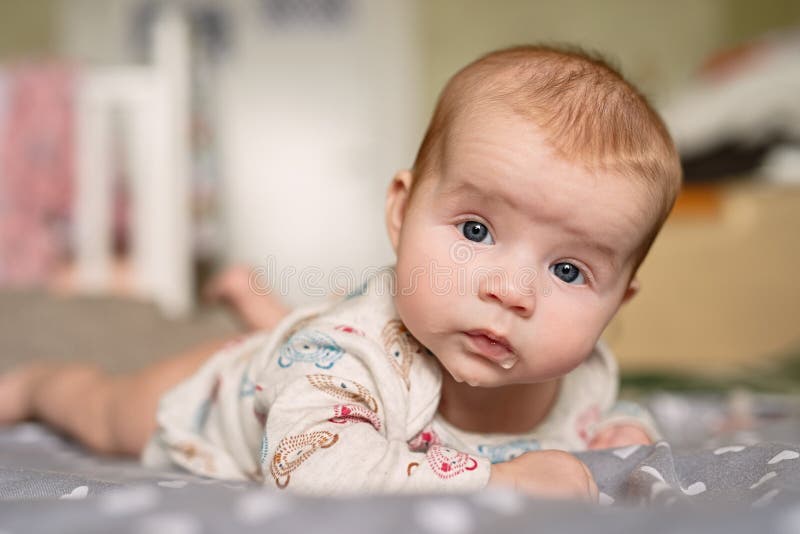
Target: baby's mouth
493	347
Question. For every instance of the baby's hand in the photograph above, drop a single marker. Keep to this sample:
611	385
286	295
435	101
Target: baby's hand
620	436
550	474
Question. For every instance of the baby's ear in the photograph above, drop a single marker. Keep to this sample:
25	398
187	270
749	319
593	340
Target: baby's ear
631	290
396	200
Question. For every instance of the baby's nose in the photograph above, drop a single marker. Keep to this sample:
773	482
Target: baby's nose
518	298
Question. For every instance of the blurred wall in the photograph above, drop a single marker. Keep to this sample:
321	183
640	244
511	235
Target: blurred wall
744	19
28	29
657	44
315	124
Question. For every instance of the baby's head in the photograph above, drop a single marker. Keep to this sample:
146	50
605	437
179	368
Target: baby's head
537	191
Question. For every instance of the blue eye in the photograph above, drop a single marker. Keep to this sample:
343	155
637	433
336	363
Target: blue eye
568	272
475	231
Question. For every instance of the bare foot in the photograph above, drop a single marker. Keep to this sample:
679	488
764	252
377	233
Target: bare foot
16	392
258	310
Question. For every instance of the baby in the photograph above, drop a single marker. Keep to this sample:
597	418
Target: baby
538	189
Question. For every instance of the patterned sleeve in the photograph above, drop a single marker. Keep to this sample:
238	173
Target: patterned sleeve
330	430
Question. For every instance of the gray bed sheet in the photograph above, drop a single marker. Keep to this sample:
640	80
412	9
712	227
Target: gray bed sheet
729	464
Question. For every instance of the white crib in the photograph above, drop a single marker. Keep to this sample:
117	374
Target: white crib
153	104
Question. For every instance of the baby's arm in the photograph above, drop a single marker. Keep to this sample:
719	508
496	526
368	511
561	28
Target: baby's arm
332	432
349	451
361	457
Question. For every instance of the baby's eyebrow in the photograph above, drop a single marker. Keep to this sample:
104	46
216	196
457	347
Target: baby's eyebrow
606	252
468	188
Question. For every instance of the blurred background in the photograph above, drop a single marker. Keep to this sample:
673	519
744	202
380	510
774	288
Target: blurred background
145	145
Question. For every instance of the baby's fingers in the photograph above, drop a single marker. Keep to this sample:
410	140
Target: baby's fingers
591	491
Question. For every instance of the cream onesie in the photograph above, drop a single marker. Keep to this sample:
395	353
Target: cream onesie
341	399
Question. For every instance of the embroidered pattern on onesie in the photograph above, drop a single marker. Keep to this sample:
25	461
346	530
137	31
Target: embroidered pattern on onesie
344	389
247	388
310	346
200	459
354	413
401	347
508	451
264	453
347	329
423	441
448	463
301	324
357	292
292	451
201	415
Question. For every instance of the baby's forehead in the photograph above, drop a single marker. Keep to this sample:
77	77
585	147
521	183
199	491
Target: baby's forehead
499	123
525	183
550	191
495	152
486	135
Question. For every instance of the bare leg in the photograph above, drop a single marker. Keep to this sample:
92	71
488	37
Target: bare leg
113	414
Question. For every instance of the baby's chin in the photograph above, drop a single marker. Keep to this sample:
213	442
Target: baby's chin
483	382
470	382
480	378
486	374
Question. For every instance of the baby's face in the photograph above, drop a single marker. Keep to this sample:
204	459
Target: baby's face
511	261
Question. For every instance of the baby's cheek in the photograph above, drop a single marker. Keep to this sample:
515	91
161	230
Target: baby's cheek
416	310
559	354
406	306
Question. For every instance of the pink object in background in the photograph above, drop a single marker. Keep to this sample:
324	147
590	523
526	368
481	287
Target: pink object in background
36	171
